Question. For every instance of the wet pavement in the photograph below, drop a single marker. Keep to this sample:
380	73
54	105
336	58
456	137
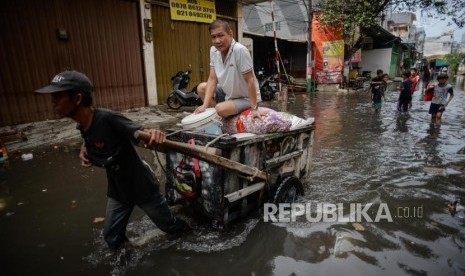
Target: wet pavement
48	206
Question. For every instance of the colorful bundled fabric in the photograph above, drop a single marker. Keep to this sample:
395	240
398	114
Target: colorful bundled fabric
274	121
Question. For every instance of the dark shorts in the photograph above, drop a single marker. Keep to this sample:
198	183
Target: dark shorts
377	105
436	108
240	103
220	96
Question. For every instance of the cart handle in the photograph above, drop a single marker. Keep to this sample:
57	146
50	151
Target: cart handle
206	155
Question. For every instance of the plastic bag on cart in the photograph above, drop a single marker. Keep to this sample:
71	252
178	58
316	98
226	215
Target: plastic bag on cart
273	122
298	122
243	122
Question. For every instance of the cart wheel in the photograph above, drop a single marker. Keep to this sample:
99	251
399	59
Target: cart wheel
288	190
173	103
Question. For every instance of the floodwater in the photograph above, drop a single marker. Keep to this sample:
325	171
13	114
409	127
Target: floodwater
48	206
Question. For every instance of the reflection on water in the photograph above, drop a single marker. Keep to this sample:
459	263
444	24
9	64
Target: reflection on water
402	122
460	83
396	159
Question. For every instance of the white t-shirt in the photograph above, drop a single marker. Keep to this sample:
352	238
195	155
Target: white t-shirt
230	73
440	93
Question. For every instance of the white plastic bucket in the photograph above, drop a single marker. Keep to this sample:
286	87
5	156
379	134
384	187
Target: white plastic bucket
205	122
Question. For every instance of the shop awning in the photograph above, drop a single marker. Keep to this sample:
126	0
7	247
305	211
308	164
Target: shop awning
381	37
441	63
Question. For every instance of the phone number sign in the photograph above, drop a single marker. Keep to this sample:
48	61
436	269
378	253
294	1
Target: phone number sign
193	10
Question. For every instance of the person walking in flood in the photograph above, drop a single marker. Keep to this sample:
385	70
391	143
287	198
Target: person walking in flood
378	92
405	93
442	95
415	79
231	86
109	140
426	78
378	78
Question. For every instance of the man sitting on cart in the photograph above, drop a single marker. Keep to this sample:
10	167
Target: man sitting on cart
231	86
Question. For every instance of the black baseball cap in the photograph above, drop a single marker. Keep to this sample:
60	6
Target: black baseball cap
68	80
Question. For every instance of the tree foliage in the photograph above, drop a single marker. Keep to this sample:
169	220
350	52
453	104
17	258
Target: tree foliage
438	9
351	13
454	60
355	15
352	16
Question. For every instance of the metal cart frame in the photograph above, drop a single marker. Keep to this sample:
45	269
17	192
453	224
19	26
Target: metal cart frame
225	195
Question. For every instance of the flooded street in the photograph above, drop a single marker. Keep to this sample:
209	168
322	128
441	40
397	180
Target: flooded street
48	205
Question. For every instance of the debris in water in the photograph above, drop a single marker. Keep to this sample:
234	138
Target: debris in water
404	171
9	214
435	171
455	207
99	219
20	203
358	227
27	156
458	168
44	190
452	207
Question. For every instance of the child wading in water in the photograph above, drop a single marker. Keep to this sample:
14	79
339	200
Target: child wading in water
405	93
415	79
440	98
378	92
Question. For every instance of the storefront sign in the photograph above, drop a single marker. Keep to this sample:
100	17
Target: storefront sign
333	62
193	10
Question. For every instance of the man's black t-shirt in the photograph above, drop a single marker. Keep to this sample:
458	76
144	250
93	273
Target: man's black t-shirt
110	144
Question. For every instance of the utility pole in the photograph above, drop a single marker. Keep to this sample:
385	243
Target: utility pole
309	46
275	45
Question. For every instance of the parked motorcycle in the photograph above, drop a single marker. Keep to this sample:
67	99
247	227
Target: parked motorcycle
180	96
285	79
267	84
366	75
